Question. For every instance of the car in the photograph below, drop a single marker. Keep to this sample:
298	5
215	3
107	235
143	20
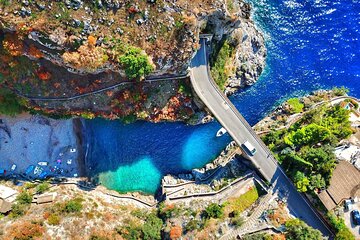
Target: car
249	148
29	169
355	217
348	204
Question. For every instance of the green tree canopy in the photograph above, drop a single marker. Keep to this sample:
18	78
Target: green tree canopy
214	211
135	62
9	104
299	230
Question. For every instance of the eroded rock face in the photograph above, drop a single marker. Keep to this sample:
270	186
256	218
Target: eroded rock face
250	56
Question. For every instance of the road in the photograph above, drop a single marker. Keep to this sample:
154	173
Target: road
148	80
241	131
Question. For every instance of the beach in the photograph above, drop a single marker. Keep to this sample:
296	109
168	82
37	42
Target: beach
36	147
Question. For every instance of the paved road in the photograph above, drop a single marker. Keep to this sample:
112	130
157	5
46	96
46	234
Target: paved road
241	131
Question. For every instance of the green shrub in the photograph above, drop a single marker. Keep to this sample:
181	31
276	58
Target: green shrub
24	198
73	206
54	219
42	187
17	210
340	91
192	225
213	211
342	231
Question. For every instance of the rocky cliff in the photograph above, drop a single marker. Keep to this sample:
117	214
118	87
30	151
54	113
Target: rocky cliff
67	48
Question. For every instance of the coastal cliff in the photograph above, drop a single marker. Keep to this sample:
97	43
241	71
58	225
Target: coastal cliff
96	55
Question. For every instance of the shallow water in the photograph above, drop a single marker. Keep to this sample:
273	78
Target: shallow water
311	44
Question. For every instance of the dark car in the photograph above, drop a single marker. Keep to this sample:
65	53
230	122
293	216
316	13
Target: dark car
355	216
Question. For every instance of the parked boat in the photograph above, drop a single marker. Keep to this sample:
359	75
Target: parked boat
43	163
221	132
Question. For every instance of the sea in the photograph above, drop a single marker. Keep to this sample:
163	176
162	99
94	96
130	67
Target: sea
312	44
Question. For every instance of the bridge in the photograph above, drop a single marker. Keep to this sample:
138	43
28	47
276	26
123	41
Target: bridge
238	128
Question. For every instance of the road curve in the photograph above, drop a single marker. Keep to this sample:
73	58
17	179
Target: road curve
241	131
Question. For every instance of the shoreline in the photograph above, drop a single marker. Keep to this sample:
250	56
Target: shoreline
81	159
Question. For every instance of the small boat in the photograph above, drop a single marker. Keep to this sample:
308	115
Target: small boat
221	132
43	163
37	170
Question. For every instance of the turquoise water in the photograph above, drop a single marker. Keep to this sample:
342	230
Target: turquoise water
311	45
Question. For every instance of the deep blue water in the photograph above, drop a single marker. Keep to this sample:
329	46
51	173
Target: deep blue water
311	44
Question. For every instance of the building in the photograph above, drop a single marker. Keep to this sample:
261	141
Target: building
344	184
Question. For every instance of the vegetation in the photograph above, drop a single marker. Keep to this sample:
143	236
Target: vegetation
54	219
306	149
26	230
342	231
135	62
151	229
73	206
17	210
42	187
213	211
295	105
24	198
340	91
297	229
243	202
219	70
9	103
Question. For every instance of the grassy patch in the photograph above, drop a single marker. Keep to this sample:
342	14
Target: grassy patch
295	105
243	202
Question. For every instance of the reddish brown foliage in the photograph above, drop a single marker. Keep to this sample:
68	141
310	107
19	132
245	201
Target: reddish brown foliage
43	74
175	232
25	230
34	52
91	41
13	44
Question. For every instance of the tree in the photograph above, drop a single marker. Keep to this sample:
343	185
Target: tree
301	181
135	62
317	181
308	134
295	105
299	230
9	103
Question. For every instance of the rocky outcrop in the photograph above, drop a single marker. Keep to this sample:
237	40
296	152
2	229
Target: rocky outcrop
67	48
240	31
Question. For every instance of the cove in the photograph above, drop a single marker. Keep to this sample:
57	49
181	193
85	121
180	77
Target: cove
311	45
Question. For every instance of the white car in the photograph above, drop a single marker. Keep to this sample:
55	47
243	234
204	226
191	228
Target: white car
249	148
